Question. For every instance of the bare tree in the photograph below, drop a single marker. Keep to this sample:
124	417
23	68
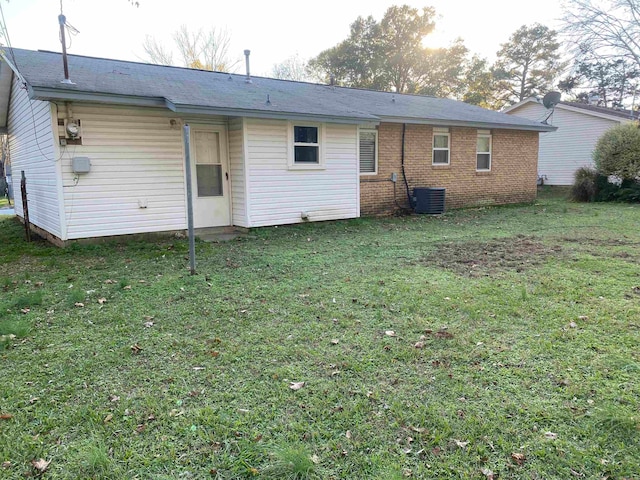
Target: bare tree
606	29
292	68
156	52
205	50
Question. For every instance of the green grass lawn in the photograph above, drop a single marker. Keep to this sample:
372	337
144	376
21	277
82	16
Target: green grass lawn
488	343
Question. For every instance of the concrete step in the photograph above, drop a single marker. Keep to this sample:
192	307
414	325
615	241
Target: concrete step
219	234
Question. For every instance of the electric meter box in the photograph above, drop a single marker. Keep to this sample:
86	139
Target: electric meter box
81	165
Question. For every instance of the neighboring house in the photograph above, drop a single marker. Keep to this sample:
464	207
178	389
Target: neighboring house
579	125
263	151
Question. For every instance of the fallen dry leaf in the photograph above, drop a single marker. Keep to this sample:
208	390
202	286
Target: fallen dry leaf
518	457
114	398
39	284
335	341
6	464
315	459
551	435
109	282
461	444
148	324
348	434
135	348
573	325
296	385
140	428
25	310
148	318
40	465
636	290
419	345
6	416
583	318
102	301
127	287
443	334
79	304
214	354
419	429
108	418
390	333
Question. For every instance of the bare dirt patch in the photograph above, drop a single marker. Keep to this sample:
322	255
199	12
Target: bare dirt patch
619	248
501	255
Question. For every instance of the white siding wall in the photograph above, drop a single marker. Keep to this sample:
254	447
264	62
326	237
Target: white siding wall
136	160
278	195
37	157
237	170
570	147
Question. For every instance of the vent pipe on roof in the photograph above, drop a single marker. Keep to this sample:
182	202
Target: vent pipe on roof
332	80
62	20
246	58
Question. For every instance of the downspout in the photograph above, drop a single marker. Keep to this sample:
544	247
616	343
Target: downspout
404	175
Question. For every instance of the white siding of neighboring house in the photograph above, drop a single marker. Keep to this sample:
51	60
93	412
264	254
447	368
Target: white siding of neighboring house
237	171
137	160
570	147
32	149
279	195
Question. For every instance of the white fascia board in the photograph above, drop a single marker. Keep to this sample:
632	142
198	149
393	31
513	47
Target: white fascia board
593	114
519	104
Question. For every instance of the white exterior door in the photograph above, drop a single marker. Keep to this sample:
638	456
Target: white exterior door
210	177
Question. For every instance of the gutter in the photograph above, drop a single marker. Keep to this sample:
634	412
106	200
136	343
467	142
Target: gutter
46	93
461	123
254	113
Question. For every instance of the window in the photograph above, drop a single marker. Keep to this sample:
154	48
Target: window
440	146
483	151
208	164
306	145
368	151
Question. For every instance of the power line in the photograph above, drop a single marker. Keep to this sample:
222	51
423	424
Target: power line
6	34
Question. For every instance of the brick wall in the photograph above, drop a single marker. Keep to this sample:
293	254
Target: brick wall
512	179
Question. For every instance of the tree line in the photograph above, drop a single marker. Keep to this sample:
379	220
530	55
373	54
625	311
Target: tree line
595	57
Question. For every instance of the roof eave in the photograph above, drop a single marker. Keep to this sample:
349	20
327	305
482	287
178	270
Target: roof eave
464	123
48	93
279	115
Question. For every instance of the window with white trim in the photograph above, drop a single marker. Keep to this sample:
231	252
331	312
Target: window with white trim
483	151
368	151
306	145
440	146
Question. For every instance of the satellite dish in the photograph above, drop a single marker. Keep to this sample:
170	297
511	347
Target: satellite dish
551	99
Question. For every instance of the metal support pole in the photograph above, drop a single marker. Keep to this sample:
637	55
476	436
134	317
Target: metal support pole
62	20
25	205
187	169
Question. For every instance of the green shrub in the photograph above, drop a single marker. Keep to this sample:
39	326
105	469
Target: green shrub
618	152
585	185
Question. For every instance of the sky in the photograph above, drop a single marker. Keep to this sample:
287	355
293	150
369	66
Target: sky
273	30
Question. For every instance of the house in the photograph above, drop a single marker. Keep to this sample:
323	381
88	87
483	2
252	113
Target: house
579	125
104	155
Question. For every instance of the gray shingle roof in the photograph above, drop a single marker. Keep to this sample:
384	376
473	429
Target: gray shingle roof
622	113
183	89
